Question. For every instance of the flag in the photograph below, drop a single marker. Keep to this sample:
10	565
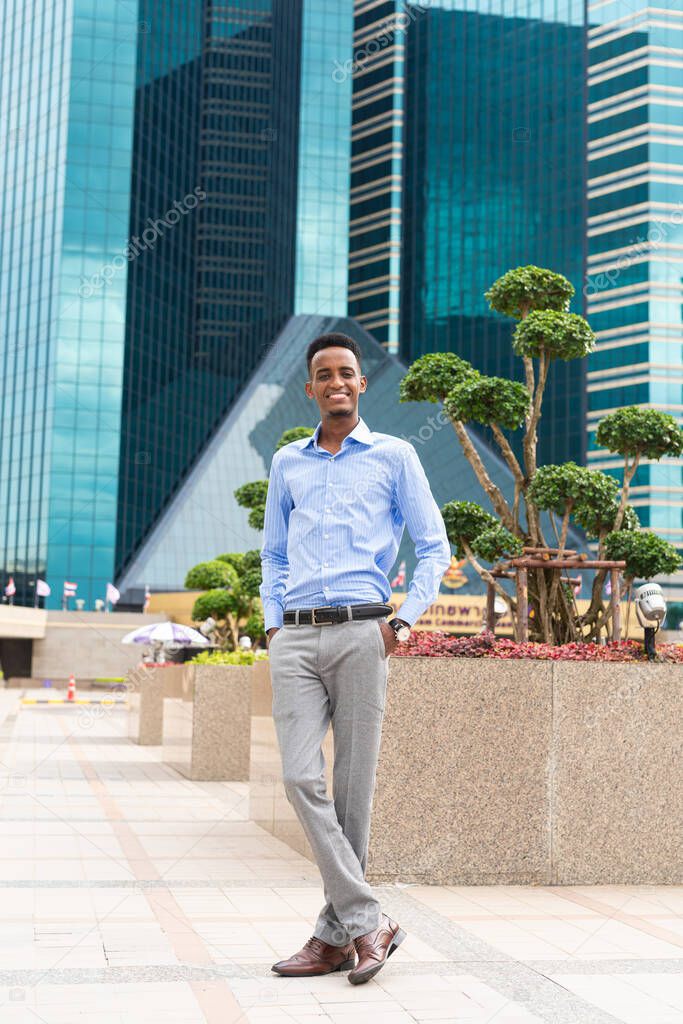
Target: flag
70	589
112	593
148	596
10	589
400	577
42	589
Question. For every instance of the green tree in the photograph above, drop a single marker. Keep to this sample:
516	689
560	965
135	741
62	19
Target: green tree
231	596
546	331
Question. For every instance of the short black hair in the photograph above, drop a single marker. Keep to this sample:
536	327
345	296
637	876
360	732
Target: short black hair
332	341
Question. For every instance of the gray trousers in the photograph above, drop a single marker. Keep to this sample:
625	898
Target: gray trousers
334	673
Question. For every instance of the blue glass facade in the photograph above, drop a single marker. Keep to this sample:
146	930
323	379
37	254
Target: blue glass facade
149	254
180	177
66	102
635	237
493	171
377	70
214	168
322	233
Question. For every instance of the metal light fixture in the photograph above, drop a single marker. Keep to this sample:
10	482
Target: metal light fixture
499	608
650	608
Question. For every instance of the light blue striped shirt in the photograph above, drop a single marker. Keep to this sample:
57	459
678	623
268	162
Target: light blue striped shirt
333	525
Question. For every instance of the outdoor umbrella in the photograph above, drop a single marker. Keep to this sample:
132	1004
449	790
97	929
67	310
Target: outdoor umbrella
165	633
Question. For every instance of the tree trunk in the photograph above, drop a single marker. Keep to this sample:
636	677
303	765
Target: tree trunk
496	496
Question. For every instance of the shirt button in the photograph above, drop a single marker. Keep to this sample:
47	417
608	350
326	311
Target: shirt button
326	536
327	510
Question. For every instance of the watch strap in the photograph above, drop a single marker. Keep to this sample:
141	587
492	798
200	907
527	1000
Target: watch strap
396	623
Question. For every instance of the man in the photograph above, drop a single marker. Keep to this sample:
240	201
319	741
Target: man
335	512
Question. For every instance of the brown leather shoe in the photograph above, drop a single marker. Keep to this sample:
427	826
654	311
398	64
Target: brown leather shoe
373	948
316	957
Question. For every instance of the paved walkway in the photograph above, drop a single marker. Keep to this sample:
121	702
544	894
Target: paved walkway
128	893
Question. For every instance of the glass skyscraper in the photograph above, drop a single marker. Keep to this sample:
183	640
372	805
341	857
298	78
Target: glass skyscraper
635	237
468	159
215	143
181	178
376	68
66	108
322	206
151	251
493	179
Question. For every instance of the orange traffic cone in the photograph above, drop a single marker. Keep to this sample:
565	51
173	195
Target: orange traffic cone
71	692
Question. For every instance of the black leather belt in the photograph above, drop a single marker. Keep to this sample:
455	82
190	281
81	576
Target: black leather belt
328	614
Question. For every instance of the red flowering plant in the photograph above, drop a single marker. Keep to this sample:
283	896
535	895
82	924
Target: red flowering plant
546	331
435	644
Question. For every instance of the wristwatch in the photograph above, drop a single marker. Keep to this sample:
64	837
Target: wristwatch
400	628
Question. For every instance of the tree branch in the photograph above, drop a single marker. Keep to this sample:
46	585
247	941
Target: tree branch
488	578
495	494
629	473
507	451
530	438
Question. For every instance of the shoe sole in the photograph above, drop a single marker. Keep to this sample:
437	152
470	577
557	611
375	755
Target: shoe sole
346	966
370	972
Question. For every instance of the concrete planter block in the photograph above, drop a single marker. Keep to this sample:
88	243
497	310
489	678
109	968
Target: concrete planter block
463	779
269	805
262	693
515	772
147	688
207	730
618	794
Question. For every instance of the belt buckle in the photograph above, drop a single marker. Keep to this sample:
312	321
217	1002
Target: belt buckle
314	621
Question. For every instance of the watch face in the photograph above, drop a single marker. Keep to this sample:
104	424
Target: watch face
402	633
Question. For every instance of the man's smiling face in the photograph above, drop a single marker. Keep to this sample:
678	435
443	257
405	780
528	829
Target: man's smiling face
336	381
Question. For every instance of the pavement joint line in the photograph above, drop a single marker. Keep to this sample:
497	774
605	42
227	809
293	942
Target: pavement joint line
152	883
232	970
624	966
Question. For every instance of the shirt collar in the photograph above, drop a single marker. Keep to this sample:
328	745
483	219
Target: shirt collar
360	433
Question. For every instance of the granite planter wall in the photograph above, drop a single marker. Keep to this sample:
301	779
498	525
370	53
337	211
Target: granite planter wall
261	692
618	788
207	730
146	689
515	772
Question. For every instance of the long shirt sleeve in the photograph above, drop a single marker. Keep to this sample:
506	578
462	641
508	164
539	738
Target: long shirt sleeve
274	562
415	502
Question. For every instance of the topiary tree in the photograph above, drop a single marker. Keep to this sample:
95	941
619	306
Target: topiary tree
231	596
539	300
635	434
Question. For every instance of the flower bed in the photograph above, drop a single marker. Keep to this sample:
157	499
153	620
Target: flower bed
436	644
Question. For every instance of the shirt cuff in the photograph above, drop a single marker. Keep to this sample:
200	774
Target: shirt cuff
408	612
272	615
